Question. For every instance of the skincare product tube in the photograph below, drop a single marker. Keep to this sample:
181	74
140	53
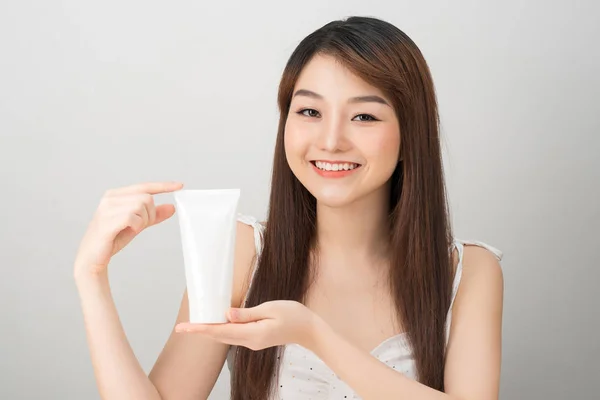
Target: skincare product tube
207	221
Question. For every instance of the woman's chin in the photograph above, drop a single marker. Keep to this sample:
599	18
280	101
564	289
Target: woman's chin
340	196
334	199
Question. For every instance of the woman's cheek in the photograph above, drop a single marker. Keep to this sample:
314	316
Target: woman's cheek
295	139
385	147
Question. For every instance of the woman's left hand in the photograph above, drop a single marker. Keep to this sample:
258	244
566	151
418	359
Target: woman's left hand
272	323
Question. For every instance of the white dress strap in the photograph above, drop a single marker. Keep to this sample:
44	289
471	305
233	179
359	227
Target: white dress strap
459	244
258	243
486	246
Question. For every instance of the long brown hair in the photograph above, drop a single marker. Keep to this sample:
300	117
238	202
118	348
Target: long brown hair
420	233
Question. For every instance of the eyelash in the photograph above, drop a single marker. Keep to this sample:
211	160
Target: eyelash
301	112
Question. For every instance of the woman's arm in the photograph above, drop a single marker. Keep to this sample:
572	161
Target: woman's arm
118	372
472	369
187	367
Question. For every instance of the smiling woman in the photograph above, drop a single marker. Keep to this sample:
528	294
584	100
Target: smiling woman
358	232
350	123
355	287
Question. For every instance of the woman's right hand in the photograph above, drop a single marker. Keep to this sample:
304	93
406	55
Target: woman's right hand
121	215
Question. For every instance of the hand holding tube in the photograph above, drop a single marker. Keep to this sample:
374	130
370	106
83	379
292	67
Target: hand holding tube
121	215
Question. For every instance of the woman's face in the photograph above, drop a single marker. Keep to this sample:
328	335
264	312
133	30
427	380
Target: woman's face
342	137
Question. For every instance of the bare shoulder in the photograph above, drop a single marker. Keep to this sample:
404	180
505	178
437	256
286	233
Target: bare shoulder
481	289
245	253
481	267
475	342
245	240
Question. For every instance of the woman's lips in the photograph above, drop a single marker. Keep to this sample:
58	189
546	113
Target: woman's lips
334	169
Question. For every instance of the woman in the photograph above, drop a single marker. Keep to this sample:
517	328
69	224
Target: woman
355	286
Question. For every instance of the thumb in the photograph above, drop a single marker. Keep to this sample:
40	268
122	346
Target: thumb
252	314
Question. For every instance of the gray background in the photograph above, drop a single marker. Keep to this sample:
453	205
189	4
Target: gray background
95	95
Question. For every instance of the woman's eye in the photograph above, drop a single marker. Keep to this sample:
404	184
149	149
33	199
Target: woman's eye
365	117
309	112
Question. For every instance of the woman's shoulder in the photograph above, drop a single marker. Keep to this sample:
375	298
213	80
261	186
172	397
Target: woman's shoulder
479	268
247	245
479	246
475	314
475	256
251	223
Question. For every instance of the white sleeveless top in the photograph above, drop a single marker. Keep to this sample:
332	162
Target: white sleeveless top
303	376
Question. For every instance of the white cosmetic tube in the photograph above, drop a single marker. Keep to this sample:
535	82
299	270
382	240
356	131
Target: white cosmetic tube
207	221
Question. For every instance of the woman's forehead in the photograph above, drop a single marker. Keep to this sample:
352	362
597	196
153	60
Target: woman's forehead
329	78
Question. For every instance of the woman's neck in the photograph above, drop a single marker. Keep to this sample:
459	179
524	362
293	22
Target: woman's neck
358	231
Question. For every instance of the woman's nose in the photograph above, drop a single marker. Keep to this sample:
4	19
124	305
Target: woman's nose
332	136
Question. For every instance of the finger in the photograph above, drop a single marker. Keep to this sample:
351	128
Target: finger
197	328
136	223
148	201
156	214
164	212
142	205
133	214
249	335
241	315
146	187
220	331
117	223
141	208
109	204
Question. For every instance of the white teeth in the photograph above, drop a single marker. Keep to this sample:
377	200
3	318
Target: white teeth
335	167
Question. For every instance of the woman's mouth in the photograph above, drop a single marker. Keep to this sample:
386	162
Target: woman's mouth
334	169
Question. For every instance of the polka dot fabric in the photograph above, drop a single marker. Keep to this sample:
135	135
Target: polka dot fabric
303	376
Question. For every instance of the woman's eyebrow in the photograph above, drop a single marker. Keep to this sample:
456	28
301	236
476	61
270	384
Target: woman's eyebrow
369	99
307	93
358	99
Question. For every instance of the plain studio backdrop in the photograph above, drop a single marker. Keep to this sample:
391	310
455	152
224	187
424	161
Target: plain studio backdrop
95	95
